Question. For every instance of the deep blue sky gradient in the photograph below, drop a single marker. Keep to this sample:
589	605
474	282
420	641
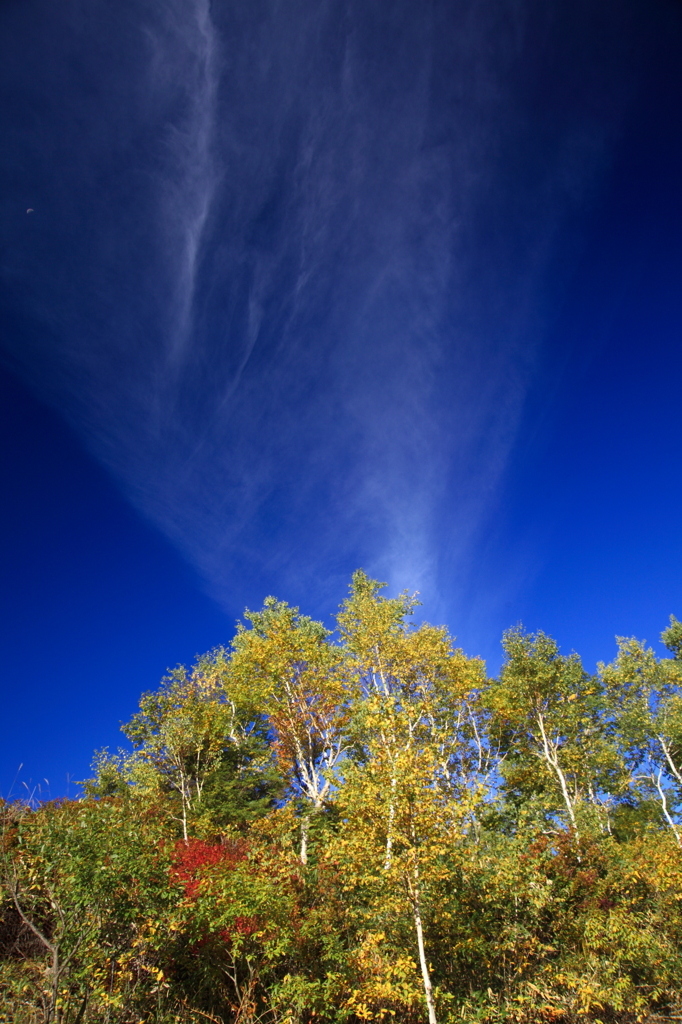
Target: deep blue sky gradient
96	605
397	286
594	491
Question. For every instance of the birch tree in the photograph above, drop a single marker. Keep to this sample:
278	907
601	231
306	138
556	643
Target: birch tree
183	730
288	659
409	791
645	694
559	745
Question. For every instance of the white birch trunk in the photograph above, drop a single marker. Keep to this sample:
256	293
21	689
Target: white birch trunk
305	827
673	766
426	977
553	761
664	805
391	819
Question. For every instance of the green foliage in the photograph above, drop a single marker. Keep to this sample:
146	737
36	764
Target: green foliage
645	697
82	879
311	829
672	638
560	762
244	784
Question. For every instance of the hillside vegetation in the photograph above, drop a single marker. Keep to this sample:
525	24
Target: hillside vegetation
361	826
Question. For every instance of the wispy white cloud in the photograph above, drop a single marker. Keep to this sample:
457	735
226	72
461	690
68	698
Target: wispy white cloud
303	319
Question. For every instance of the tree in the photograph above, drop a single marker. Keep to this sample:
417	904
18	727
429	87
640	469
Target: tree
202	735
336	828
558	747
289	661
410	789
672	638
646	698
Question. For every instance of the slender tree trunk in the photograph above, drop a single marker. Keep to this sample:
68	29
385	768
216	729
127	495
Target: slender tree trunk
391	818
553	761
52	948
305	828
673	766
184	819
52	1012
185	801
381	673
426	977
664	805
83	1007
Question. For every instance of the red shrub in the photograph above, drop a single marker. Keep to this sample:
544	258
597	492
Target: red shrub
241	926
190	857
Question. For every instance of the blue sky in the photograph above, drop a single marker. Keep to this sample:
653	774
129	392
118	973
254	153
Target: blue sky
327	285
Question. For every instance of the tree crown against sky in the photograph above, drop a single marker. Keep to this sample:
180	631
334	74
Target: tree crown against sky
361	825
